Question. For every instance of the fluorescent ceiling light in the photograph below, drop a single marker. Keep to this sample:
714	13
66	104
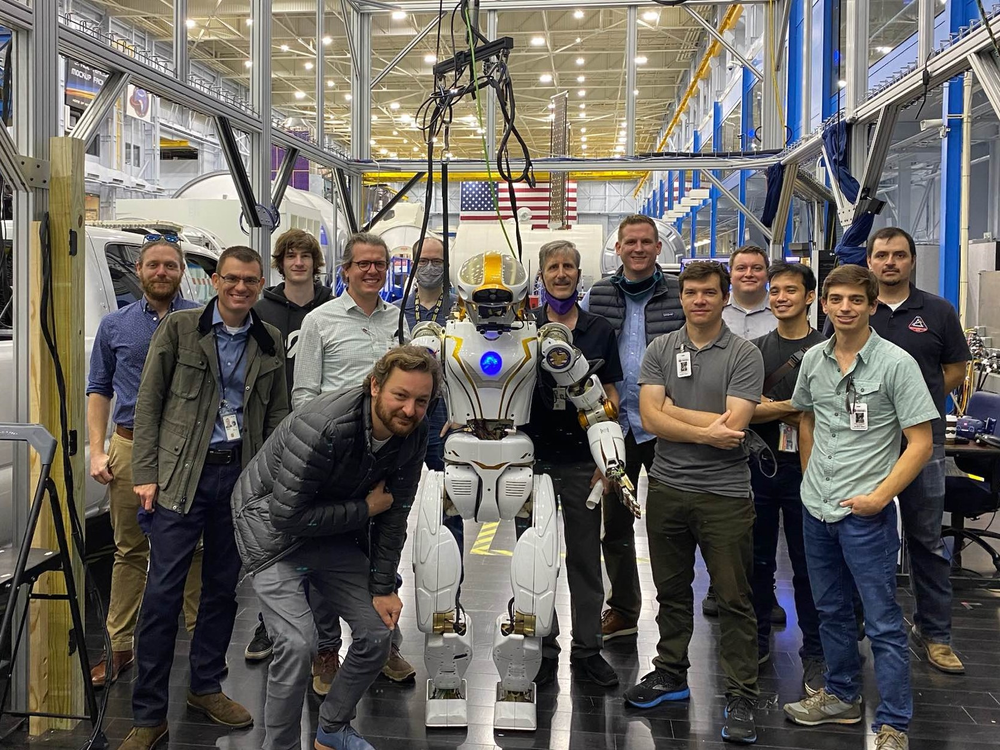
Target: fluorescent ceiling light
398	15
581	79
650	15
247	63
580	61
329	83
309	66
394	105
190	23
641	60
578	14
581	92
538	41
327	41
430	59
545	78
583	147
300	95
249	22
284	48
347	97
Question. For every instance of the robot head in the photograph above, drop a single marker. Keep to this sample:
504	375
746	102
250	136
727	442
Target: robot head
492	287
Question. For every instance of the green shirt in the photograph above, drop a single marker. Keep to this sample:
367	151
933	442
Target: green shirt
845	462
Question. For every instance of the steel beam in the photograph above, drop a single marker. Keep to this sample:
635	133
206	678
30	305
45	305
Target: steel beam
784	208
811	189
11	166
283	177
772	91
724	191
659	163
88	126
320	74
258	185
925	30
15	16
346	199
182	62
845	210
987	72
350	31
400	194
721	39
786	14
631	48
426	6
877	151
856	57
361	108
241	180
408	48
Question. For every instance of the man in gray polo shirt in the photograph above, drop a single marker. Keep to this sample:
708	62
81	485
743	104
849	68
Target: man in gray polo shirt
699	388
859	395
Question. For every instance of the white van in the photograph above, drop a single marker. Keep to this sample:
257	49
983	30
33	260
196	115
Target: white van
111	284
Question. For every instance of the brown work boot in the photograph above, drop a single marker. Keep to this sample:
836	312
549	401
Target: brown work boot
397	668
614	625
220	709
940	655
325	667
120	661
145	738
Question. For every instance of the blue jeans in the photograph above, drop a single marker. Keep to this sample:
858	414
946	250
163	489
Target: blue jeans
861	551
775	498
921	506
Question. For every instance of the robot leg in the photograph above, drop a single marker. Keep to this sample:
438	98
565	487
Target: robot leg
517	644
437	567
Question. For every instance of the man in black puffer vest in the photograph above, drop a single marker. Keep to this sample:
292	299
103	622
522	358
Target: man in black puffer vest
325	501
641	303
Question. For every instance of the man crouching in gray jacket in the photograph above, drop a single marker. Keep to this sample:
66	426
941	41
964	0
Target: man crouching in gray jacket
326	501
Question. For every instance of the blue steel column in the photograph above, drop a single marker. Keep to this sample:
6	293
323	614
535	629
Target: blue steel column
681	179
746	125
717	145
695	182
795	93
670	190
662	204
958	14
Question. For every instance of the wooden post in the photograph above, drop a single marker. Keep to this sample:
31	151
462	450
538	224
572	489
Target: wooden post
55	682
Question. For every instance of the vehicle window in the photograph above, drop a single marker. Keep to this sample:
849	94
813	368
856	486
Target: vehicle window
121	265
200	269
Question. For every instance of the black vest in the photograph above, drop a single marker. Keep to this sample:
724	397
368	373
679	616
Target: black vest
663	310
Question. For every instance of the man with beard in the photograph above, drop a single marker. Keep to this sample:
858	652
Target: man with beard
927	328
298	259
338	344
325	503
119	352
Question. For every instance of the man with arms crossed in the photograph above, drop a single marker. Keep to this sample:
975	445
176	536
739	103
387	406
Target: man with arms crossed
927	328
326	502
700	386
115	368
859	395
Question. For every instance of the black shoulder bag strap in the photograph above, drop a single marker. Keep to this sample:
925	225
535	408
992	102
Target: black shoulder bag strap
775	377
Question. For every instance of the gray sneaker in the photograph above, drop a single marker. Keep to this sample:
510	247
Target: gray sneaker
891	739
824	708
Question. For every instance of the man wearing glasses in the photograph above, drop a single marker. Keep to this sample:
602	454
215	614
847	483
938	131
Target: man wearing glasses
339	343
115	368
859	395
212	390
747	313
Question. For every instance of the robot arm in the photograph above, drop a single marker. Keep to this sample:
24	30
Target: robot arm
597	414
430	336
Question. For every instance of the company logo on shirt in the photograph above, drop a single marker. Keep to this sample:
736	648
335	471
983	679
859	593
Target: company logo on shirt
291	344
917	325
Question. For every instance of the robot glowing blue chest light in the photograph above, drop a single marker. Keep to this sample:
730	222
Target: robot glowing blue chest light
490	352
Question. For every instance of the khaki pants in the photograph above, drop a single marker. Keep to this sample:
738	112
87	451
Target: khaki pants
128	576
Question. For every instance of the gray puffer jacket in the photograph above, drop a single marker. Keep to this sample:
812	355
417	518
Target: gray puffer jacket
311	478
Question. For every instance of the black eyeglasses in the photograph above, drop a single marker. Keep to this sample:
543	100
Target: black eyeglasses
436	262
166	237
230	280
365	265
852	396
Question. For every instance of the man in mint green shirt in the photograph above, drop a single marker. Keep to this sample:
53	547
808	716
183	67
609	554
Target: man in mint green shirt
860	395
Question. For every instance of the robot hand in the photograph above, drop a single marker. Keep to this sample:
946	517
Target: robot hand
623	487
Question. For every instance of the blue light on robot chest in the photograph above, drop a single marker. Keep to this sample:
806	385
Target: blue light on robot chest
491	363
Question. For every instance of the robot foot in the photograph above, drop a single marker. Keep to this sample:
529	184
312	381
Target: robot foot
515	711
447	709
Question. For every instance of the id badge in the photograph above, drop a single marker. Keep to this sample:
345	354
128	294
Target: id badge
788	438
684	364
231	425
559	398
859	418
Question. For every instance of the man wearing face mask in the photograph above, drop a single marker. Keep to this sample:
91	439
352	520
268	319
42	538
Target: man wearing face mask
563	452
429	303
641	303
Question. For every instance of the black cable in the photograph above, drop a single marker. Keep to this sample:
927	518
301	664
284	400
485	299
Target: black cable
49	334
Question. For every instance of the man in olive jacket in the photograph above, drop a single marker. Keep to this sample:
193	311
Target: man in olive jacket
212	390
325	503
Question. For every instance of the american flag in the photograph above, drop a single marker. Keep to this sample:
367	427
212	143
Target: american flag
477	202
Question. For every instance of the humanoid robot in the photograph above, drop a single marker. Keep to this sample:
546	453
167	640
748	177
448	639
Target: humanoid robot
490	352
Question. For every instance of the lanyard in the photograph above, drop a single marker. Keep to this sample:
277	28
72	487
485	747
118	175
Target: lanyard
222	375
417	307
